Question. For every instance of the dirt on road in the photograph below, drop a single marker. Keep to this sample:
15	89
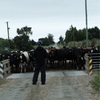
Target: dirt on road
59	86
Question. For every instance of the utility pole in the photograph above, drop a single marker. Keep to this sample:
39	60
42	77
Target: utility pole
74	37
86	23
8	36
8	30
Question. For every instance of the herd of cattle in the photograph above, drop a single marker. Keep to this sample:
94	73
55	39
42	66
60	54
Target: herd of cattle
67	58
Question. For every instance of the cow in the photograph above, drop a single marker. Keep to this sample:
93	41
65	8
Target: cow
95	49
59	55
67	55
32	60
27	61
14	58
79	54
21	61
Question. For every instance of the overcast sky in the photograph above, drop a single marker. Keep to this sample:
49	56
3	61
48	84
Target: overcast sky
47	16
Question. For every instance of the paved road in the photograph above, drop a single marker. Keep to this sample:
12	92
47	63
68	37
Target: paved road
60	85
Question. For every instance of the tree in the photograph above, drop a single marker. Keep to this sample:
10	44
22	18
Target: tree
50	38
24	31
22	40
32	42
61	40
11	44
45	41
71	34
3	44
81	34
94	33
78	35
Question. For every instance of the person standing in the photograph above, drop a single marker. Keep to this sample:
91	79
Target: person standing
40	55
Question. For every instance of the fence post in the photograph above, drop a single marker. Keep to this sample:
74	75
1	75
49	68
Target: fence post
4	68
90	67
1	70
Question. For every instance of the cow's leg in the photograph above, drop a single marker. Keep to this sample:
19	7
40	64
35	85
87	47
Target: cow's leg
21	68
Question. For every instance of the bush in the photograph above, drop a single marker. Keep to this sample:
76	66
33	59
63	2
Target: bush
93	42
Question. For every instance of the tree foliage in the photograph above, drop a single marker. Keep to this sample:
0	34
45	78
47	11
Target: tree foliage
47	40
94	32
3	44
61	40
50	38
72	34
24	31
22	40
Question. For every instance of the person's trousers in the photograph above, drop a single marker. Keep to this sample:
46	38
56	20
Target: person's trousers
36	73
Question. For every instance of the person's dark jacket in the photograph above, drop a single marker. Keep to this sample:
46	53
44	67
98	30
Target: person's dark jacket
40	55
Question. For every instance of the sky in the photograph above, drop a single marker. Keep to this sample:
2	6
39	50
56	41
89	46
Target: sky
47	16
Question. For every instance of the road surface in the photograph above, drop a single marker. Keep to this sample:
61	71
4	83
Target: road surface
60	85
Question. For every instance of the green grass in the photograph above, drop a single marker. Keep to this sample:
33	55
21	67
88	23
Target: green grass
96	82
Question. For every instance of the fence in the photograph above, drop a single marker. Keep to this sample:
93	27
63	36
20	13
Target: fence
95	57
4	68
92	61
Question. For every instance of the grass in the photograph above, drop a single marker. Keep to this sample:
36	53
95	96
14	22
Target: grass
96	82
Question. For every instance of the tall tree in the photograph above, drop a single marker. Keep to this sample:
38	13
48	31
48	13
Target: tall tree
24	31
71	34
45	41
22	40
61	40
50	37
94	33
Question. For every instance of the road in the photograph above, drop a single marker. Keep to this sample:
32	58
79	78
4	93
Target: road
60	85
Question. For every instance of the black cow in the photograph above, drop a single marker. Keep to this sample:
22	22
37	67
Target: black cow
59	55
95	49
32	60
4	55
68	56
14	61
51	57
65	55
79	54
